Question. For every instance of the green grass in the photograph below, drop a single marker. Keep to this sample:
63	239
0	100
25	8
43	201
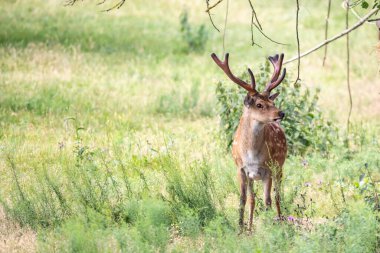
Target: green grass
109	130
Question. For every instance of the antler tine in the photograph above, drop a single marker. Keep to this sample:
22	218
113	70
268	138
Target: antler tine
276	80
226	68
276	63
273	85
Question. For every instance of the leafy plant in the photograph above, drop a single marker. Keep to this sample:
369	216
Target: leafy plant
194	37
305	126
193	191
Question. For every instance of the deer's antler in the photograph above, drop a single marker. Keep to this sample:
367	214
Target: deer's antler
276	80
226	68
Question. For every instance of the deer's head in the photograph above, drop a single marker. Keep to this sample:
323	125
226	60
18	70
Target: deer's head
259	104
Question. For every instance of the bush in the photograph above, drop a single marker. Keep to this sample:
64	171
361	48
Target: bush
196	38
305	126
192	191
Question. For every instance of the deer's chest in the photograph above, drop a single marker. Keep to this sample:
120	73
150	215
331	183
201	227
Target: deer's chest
254	164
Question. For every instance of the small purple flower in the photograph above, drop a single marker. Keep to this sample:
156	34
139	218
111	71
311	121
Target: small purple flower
291	218
319	182
307	184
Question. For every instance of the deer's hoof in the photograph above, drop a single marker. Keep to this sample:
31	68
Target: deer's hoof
280	218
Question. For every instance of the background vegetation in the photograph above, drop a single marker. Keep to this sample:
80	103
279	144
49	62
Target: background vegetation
110	136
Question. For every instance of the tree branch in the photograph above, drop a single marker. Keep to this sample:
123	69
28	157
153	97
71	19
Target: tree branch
373	19
259	27
252	23
266	36
116	6
358	16
254	15
209	15
214	5
338	36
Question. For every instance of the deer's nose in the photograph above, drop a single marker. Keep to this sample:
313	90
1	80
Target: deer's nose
281	114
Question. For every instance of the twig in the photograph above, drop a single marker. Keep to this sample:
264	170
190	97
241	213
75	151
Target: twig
225	27
373	19
213	6
252	40
70	2
358	16
338	36
254	14
298	43
209	15
348	70
252	23
116	6
266	36
326	30
259	27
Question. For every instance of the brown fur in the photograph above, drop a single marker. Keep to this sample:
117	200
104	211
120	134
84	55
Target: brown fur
260	143
259	147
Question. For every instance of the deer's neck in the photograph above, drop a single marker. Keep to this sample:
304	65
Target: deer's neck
252	131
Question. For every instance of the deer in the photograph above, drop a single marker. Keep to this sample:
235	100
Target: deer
259	145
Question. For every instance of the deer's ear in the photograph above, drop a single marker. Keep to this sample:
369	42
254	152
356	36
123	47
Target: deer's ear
249	101
273	97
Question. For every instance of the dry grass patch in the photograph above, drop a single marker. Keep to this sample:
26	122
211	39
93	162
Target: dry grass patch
14	238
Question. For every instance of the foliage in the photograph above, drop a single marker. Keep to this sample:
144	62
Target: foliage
194	37
364	4
305	126
194	191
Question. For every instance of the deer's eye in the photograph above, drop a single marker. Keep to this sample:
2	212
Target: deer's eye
259	106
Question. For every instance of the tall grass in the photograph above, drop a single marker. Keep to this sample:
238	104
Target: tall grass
110	198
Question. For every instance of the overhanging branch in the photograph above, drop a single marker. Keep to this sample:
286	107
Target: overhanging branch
343	33
213	6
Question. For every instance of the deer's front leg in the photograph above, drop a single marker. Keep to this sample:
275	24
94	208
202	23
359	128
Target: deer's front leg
267	191
243	197
251	203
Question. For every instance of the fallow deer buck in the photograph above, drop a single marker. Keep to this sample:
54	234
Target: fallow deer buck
259	147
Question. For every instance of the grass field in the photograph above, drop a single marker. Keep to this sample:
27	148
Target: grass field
109	137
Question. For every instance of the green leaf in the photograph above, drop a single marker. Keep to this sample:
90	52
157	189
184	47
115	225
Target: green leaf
365	5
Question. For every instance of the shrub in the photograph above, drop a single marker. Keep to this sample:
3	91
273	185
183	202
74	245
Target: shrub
195	38
193	190
305	126
41	204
